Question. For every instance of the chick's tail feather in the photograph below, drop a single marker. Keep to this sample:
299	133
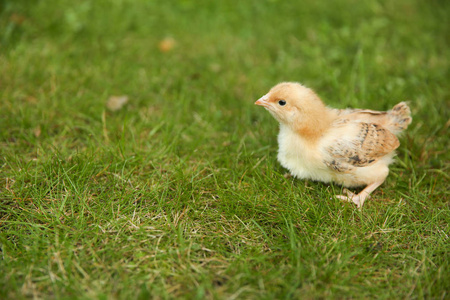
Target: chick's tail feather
399	118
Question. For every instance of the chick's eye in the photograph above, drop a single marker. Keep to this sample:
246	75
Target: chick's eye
282	102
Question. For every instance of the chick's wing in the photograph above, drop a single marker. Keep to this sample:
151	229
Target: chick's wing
358	144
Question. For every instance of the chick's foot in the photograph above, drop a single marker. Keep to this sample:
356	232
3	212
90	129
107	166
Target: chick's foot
352	197
359	199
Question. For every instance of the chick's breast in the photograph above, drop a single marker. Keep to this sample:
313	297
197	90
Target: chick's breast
301	157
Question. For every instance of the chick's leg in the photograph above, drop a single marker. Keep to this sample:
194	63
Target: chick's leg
359	199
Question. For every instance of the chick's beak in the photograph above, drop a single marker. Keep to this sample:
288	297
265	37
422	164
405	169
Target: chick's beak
263	101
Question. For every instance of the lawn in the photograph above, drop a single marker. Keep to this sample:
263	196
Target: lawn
178	194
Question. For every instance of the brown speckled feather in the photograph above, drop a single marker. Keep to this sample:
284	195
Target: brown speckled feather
371	143
395	120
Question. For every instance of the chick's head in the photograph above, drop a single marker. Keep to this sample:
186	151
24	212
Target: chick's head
292	103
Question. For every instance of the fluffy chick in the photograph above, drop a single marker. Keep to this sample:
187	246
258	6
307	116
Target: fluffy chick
351	147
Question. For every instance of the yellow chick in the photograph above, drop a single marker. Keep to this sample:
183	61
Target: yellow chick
351	147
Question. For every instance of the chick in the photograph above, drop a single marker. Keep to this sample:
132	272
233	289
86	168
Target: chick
351	147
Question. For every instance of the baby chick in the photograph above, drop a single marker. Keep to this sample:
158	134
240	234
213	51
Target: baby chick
351	147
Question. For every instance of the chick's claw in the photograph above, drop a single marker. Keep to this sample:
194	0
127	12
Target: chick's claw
349	193
351	198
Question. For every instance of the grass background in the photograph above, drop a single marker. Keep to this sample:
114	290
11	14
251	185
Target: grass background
179	194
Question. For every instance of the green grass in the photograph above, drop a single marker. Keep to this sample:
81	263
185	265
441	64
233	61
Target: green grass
179	194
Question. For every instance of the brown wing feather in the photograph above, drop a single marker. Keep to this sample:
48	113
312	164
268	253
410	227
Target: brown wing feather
366	115
395	120
371	143
350	111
